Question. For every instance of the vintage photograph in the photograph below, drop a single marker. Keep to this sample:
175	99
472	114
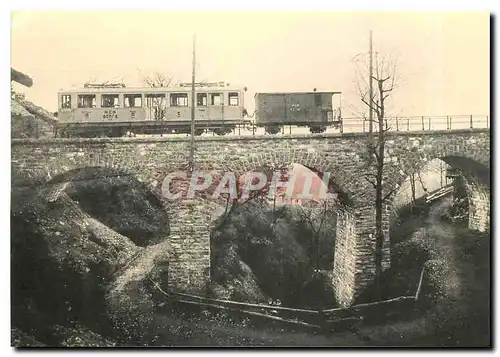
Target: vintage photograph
250	179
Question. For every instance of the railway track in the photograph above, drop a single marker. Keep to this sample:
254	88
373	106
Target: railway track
348	125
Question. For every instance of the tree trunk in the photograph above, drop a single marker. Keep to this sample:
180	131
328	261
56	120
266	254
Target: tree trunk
317	251
379	205
413	189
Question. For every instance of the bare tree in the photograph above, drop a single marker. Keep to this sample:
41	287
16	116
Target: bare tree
261	195
315	215
415	177
157	103
159	80
384	83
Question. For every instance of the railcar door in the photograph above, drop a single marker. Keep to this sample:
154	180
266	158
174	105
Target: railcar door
233	109
216	107
133	107
202	106
87	110
156	106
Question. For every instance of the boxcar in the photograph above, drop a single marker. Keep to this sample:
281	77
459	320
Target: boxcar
315	110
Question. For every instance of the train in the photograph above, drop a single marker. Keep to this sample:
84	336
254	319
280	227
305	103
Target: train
114	110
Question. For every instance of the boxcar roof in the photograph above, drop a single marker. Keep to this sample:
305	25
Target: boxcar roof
284	93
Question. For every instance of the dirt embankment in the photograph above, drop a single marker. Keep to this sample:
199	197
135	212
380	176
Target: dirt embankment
455	309
82	248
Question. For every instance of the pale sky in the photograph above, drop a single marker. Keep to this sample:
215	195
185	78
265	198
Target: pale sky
443	59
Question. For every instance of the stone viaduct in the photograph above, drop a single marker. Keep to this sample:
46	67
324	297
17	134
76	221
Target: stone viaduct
150	159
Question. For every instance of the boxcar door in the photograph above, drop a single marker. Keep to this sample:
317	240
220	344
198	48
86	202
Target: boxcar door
318	107
301	108
326	109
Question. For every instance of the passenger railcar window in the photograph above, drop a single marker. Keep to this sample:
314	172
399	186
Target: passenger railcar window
216	99
179	100
201	99
133	100
155	100
66	101
86	101
109	101
233	99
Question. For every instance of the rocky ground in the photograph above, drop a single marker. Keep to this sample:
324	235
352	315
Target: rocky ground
29	120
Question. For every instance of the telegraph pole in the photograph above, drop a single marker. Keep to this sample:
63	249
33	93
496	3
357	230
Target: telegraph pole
371	87
191	156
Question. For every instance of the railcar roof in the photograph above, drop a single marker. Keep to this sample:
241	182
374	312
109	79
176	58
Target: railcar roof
133	90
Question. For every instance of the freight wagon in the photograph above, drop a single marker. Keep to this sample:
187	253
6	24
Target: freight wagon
316	110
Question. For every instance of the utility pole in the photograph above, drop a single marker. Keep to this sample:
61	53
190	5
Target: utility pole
371	87
191	156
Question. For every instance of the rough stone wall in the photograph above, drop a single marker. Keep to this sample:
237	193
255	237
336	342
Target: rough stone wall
344	264
340	155
479	204
189	247
365	245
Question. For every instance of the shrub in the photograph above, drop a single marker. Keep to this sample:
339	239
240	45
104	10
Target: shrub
412	253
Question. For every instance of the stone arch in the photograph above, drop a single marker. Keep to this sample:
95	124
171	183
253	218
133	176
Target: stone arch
60	181
474	163
344	269
188	243
57	175
342	179
310	159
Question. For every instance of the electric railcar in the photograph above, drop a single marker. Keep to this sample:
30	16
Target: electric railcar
114	110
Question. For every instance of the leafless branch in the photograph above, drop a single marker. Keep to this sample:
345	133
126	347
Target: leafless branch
389	194
372	182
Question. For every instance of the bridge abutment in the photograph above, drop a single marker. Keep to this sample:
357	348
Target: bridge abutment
354	264
479	205
189	245
344	263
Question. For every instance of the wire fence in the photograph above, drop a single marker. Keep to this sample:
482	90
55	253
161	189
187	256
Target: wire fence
419	123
